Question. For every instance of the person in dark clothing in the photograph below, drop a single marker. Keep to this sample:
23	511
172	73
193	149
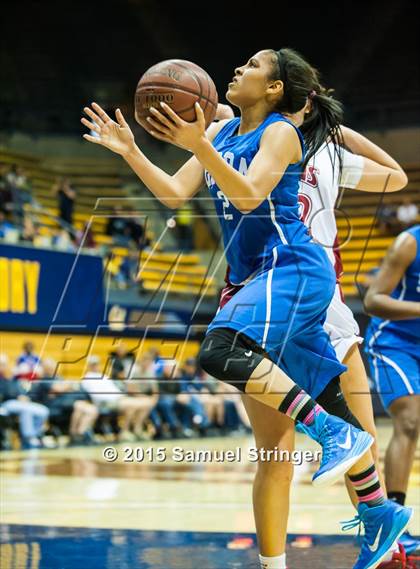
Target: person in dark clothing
66	195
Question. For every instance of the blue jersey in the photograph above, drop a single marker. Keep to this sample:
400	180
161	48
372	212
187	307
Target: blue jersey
253	241
408	289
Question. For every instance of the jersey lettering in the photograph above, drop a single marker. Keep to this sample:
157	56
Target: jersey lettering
310	176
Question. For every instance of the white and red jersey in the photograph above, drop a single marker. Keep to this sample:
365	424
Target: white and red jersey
318	193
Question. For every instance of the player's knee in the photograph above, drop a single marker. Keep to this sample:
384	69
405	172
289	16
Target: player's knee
410	427
228	356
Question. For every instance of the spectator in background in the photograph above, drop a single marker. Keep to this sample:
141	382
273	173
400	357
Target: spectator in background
66	195
233	397
6	201
16	178
129	267
164	416
20	187
117	227
158	362
14	401
85	237
193	403
6	227
143	386
387	219
211	399
69	409
62	241
136	231
184	227
109	395
27	363
407	213
121	363
29	231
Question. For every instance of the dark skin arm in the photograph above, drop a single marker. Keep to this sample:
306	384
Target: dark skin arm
378	301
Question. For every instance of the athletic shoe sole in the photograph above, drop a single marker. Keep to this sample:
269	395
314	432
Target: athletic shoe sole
406	516
362	444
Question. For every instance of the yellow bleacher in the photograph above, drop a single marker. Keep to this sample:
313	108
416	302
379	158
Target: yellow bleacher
95	180
71	352
362	244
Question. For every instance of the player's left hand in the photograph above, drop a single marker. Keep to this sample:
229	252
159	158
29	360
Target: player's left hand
171	128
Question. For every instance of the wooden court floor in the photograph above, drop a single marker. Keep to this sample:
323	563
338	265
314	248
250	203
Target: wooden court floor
162	505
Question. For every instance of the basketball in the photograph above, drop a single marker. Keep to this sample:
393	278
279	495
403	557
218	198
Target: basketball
180	84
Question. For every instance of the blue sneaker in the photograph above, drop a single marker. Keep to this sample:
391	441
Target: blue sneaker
383	526
410	543
342	446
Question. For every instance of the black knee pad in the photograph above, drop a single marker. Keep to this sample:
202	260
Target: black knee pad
230	356
332	400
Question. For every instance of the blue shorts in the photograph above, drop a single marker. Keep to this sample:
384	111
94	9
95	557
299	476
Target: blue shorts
395	371
283	310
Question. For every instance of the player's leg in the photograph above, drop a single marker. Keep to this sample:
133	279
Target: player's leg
229	355
343	332
355	387
405	414
272	482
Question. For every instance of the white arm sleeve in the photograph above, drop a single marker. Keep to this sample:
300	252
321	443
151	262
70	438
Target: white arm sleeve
352	169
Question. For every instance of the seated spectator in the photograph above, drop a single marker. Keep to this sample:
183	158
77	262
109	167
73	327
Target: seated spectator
30	230
14	401
85	237
6	227
117	227
174	410
121	363
68	408
27	363
158	362
62	241
143	385
233	398
109	395
163	416
211	398
407	213
194	403
129	268
113	268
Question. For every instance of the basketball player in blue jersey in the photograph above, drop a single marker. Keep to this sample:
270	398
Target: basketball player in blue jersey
268	340
393	347
366	168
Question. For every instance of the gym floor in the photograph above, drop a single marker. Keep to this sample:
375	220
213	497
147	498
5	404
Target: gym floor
73	508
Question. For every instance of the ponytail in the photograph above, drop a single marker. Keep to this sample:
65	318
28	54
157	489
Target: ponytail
323	123
300	82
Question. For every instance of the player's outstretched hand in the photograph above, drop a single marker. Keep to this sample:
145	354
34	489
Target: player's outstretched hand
170	127
117	136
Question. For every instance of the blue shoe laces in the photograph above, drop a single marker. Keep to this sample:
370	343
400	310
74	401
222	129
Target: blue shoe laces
328	444
354	523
